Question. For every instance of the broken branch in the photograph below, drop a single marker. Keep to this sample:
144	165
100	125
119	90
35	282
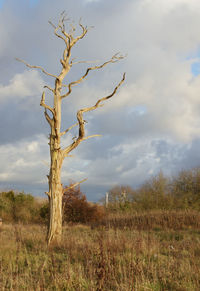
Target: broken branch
68	129
75	184
91	136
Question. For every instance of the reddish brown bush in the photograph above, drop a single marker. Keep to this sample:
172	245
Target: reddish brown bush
76	208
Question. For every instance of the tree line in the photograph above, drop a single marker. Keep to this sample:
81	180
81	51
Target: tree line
25	208
180	192
159	192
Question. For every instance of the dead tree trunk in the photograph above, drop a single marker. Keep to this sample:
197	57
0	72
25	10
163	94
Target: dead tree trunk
53	117
55	192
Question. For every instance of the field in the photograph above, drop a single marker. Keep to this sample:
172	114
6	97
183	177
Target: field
149	251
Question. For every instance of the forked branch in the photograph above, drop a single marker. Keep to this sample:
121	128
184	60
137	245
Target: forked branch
81	121
42	103
114	59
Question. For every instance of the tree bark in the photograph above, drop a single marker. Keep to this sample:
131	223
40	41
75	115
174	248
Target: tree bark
54	233
55	194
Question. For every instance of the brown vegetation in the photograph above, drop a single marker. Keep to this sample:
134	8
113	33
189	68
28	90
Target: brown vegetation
76	208
101	259
147	239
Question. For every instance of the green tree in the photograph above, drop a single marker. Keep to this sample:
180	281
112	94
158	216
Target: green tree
154	193
185	188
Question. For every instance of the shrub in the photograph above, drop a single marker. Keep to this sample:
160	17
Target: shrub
19	207
76	208
185	188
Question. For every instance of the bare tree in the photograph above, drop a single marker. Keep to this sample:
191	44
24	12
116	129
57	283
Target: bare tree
53	117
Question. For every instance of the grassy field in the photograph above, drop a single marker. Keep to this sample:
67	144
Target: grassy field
150	251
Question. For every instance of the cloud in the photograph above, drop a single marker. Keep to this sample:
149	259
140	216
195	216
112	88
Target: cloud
22	86
22	161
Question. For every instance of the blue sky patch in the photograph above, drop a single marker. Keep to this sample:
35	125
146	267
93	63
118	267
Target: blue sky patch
138	109
1	3
33	2
195	69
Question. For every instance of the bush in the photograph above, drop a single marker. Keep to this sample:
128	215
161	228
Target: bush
19	207
185	188
76	208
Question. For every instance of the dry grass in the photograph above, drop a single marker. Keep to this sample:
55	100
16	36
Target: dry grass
176	220
103	258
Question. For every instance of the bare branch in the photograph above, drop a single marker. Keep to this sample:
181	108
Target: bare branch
68	129
47	193
51	89
71	187
73	29
82	62
48	118
113	93
61	26
75	184
84	32
91	136
81	121
36	67
56	28
42	103
114	59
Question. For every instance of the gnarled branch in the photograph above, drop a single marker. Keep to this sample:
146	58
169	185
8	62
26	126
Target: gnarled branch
48	118
42	103
114	59
84	32
49	88
81	121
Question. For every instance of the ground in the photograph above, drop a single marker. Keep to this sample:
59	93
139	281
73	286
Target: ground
101	258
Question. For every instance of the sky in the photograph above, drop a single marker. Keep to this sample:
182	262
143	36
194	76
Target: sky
151	124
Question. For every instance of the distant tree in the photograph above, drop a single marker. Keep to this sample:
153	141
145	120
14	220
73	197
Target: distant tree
53	117
120	196
154	193
185	188
18	207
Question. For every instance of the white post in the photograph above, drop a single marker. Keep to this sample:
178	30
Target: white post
107	199
124	196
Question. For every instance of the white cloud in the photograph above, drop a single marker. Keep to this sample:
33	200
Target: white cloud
22	86
23	161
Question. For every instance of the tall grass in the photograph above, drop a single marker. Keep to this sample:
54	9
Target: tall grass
108	257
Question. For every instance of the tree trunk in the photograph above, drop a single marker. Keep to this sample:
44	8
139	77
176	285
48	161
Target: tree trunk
55	194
